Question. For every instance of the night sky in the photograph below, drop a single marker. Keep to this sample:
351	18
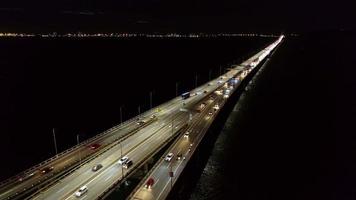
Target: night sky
185	15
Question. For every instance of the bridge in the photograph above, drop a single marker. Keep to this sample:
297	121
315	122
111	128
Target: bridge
105	161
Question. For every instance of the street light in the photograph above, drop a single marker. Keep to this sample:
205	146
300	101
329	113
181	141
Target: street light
176	89
80	157
122	169
55	141
120	115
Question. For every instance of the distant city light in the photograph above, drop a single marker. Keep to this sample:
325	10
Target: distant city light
133	35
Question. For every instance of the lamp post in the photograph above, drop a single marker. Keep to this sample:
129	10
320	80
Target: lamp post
122	169
80	157
55	141
176	89
120	115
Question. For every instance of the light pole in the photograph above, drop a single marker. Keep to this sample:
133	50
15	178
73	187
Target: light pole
55	141
120	115
139	110
209	74
172	126
176	89
80	157
196	80
122	169
220	71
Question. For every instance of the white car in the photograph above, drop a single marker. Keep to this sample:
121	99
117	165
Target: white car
123	160
81	191
169	157
186	134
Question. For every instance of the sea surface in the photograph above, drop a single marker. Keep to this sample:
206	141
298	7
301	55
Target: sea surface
292	133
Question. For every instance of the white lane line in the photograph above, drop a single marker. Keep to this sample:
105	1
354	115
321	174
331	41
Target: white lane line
62	189
107	178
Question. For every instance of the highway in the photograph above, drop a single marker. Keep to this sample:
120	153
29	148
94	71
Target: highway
137	147
158	182
73	168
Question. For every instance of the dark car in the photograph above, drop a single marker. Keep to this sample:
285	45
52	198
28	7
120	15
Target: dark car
97	167
127	164
46	170
179	156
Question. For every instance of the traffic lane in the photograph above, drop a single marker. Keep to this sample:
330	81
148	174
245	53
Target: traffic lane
182	147
161	190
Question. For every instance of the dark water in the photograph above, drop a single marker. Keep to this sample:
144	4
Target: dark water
292	134
78	86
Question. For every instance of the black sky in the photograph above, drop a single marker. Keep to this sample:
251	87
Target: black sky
210	15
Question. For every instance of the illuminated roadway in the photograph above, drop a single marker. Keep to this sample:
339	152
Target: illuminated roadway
158	182
138	142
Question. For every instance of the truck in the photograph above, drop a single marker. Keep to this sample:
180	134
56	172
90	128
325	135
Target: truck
185	95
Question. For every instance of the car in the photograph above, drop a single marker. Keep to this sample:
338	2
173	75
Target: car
123	160
216	107
169	157
149	183
186	134
205	91
26	176
127	164
210	113
94	146
140	122
46	170
179	156
81	191
209	84
97	167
